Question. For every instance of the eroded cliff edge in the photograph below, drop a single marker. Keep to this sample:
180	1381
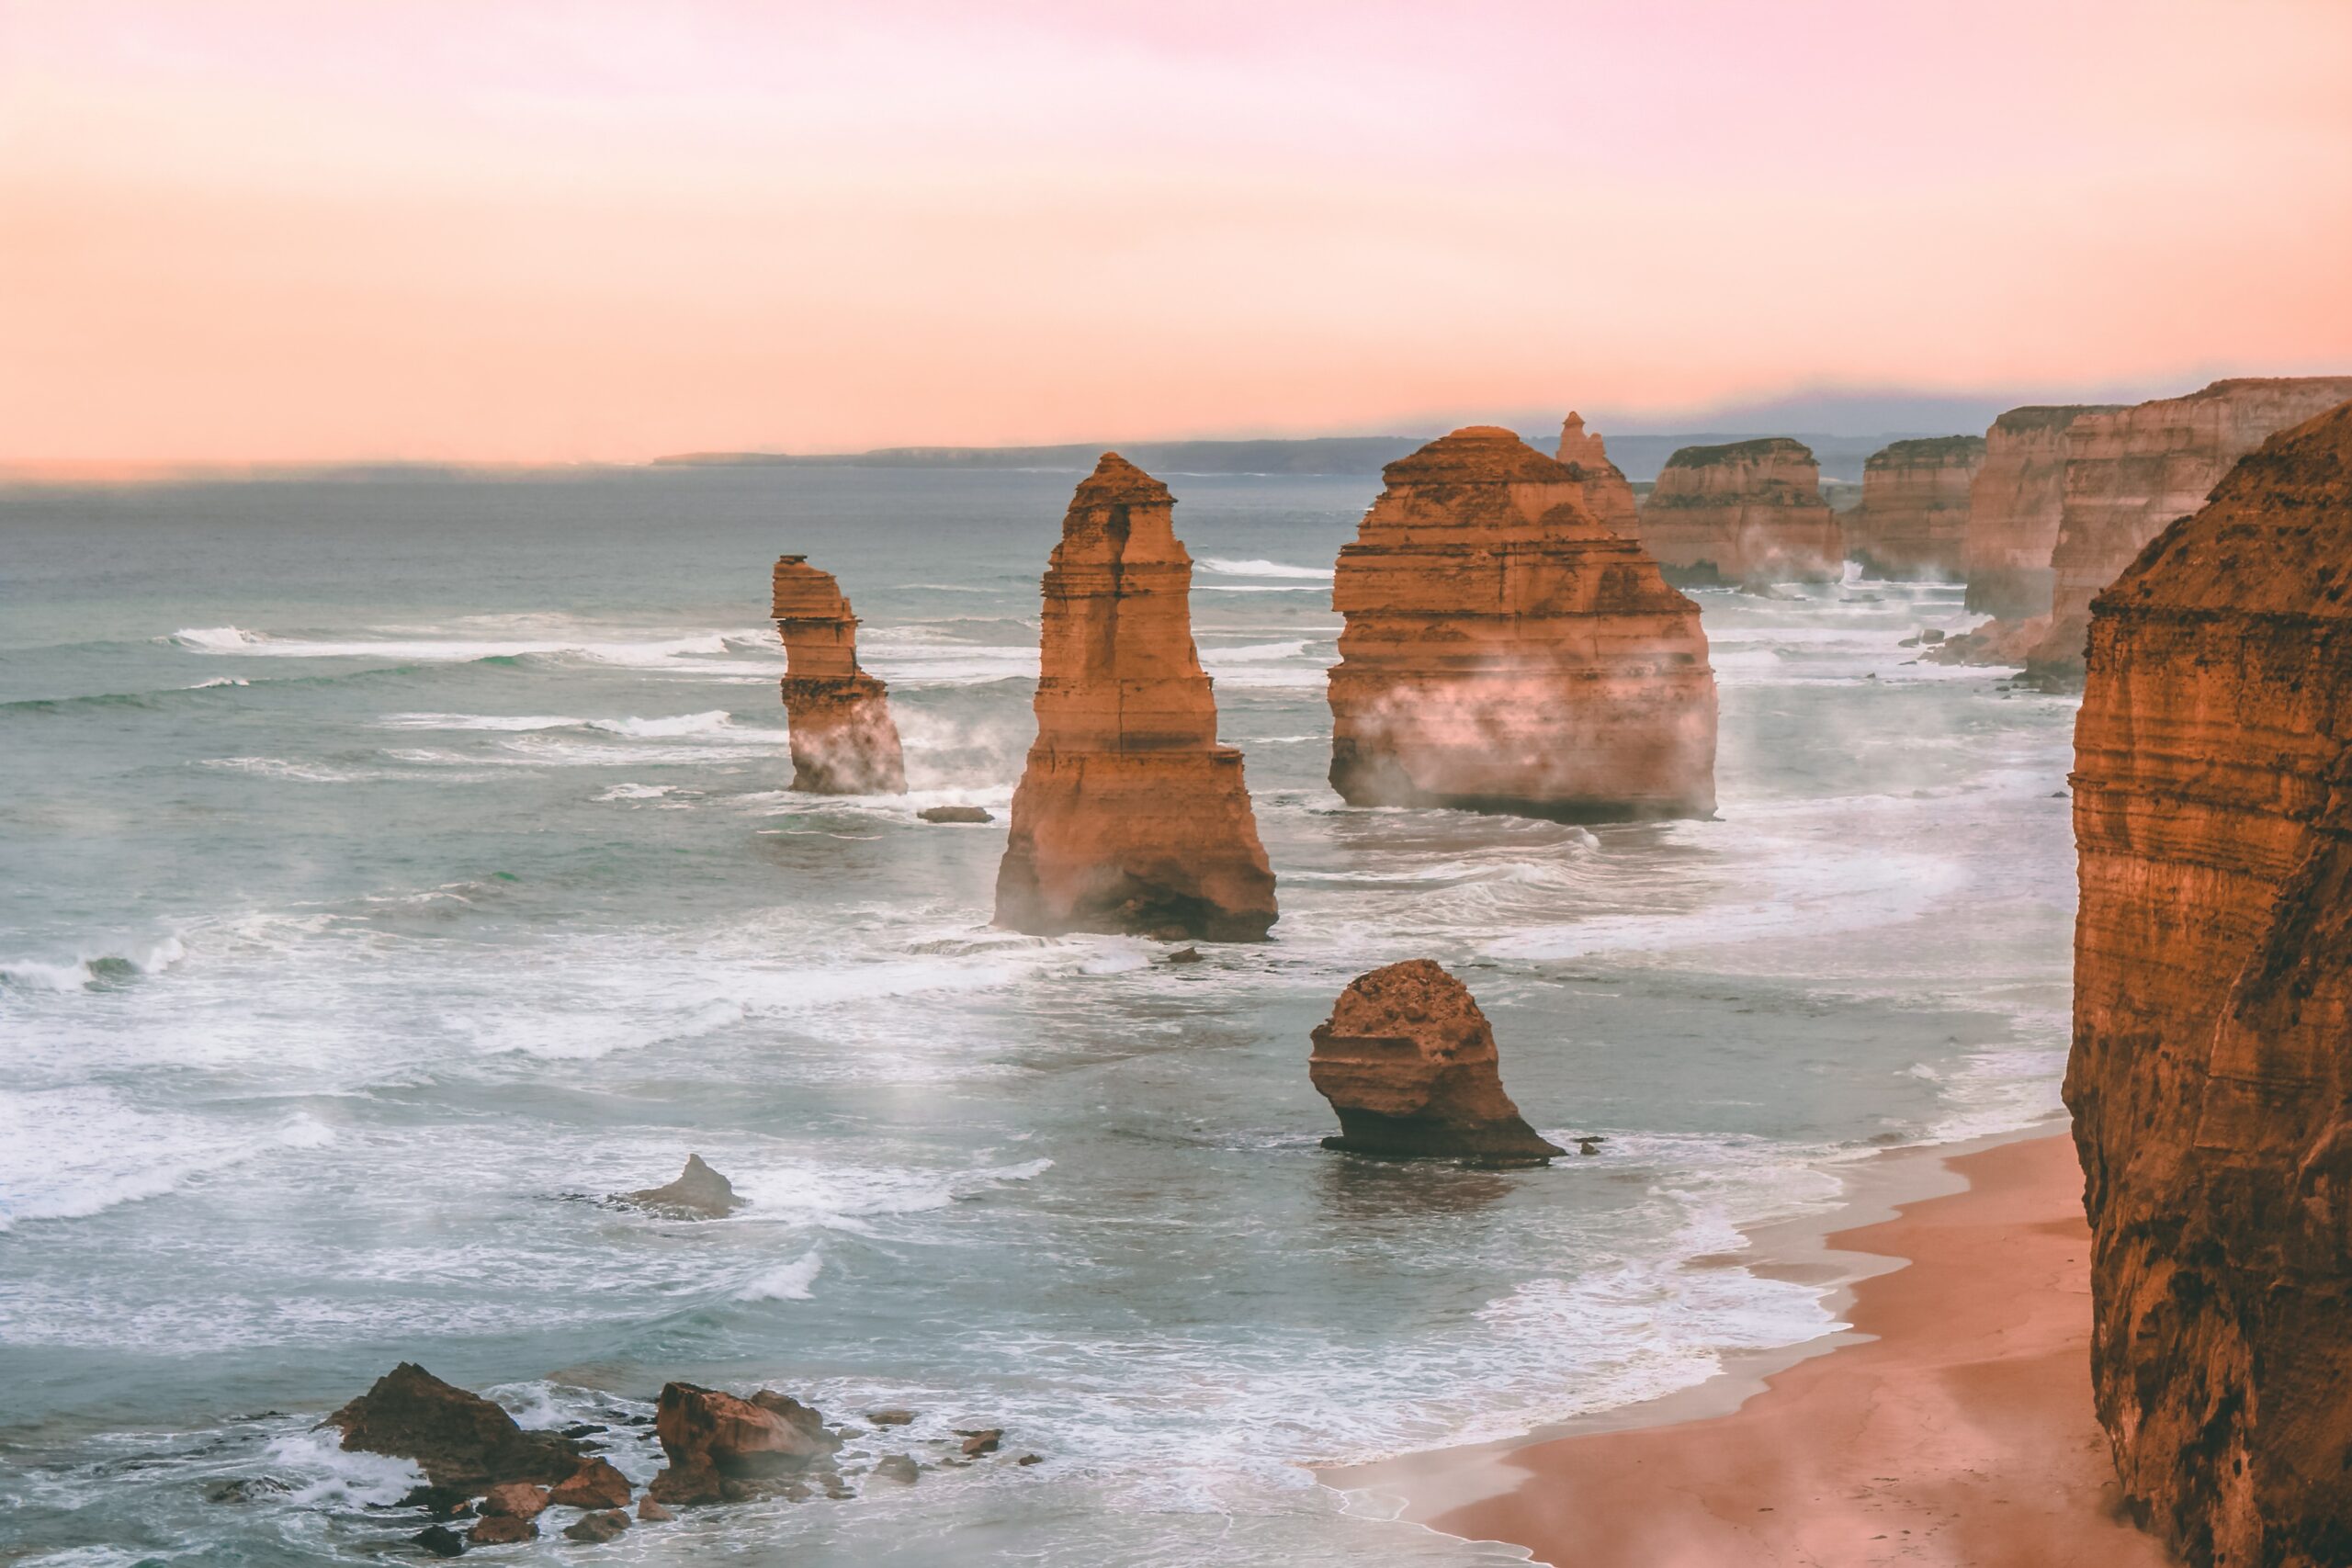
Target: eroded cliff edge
843	740
1504	651
2210	1079
1913	521
1747	512
1129	815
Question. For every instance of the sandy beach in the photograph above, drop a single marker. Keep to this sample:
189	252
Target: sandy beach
1952	1425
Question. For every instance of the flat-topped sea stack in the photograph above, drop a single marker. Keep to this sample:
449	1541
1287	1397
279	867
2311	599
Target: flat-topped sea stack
1747	512
1505	651
1607	494
843	741
2132	473
1129	815
1913	521
2210	1080
1409	1063
2014	506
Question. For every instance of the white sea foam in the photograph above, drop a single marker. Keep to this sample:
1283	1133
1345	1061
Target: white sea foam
1259	567
694	652
77	1150
87	969
787	1282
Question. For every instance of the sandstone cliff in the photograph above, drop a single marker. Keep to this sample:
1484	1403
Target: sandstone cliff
2014	506
1913	521
1129	815
2212	1074
1506	652
1607	494
1750	511
2132	473
843	742
1409	1063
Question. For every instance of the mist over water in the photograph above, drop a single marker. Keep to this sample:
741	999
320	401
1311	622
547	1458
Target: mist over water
387	868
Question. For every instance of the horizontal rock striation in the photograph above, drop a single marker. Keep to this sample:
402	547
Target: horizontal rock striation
2132	473
843	742
1748	513
2014	505
1913	521
1607	494
1129	815
2211	1078
1506	652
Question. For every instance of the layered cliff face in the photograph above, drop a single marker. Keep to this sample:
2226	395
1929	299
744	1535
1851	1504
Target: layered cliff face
1504	651
1913	521
2212	1074
1607	494
1409	1063
1750	511
2014	506
843	742
1129	815
2132	473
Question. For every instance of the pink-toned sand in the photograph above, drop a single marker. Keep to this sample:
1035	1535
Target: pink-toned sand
1962	1434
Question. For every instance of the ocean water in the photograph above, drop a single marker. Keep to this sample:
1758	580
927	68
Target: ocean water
389	868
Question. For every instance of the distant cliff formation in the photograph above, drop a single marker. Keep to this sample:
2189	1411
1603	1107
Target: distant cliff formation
2132	473
1129	815
2014	506
1750	511
843	742
1913	521
1607	494
1506	652
2210	1080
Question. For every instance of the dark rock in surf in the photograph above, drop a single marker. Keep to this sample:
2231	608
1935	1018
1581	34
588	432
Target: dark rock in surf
955	813
514	1499
502	1529
711	1439
898	1468
597	1528
699	1193
460	1439
595	1484
649	1512
439	1541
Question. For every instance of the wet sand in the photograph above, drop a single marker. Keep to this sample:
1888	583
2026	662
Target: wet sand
1952	1426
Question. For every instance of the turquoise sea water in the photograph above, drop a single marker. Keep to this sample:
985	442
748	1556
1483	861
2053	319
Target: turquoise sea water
387	866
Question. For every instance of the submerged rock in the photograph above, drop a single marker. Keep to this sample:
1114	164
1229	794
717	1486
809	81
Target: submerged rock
843	740
1129	815
459	1439
1409	1063
711	1439
899	1468
1747	512
597	1526
502	1529
439	1541
957	814
699	1193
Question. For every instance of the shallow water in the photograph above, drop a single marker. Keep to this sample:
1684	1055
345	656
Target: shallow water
387	868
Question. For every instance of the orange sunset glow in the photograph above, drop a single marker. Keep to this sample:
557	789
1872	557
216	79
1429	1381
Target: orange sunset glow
245	230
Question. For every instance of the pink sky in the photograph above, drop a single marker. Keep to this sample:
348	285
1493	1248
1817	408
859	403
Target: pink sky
524	230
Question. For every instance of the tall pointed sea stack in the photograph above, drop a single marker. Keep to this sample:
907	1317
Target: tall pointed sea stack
2014	505
2212	1075
2131	473
1749	512
843	742
1607	494
1129	817
1913	521
1505	651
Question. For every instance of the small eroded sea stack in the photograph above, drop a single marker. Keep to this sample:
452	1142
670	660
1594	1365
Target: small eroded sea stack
1129	815
843	742
1748	513
1913	521
2210	1079
2132	472
2014	506
1607	494
1506	652
1409	1063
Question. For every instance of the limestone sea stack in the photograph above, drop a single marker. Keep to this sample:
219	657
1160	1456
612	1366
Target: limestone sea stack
2014	505
843	742
1129	815
2132	473
2210	1079
1607	494
1409	1063
1748	513
1913	521
1504	651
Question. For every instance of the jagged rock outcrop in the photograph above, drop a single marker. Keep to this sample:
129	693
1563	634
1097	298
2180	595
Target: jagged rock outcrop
1129	815
2014	505
1750	511
1409	1063
699	1193
1505	651
2210	1079
1913	521
719	1447
1607	494
2132	473
459	1439
843	741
